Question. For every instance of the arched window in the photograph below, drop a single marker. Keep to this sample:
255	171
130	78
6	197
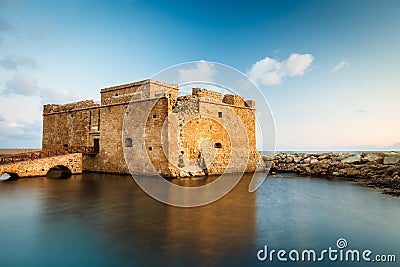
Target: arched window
217	145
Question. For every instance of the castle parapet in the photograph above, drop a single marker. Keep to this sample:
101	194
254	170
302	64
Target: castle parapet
56	108
200	92
234	100
122	94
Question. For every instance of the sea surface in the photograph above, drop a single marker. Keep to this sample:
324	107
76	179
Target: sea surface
107	220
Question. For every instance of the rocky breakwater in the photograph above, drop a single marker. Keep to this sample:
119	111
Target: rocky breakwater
375	169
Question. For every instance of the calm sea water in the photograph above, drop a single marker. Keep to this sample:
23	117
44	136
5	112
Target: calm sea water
106	220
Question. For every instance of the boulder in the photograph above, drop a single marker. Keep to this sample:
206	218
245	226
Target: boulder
266	157
370	157
289	159
323	156
391	159
352	172
353	159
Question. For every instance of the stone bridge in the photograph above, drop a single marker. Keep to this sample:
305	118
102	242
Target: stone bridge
70	163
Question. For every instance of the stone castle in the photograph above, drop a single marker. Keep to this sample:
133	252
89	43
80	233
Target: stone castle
204	133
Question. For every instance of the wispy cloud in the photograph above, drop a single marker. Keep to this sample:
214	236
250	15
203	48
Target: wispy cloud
340	65
21	134
270	71
6	27
21	84
26	85
13	63
203	71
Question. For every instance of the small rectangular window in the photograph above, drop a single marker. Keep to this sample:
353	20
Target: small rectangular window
150	148
220	114
154	116
128	142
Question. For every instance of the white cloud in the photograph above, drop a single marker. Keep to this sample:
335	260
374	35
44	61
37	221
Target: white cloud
14	63
21	84
20	119
269	71
25	85
340	65
20	133
203	71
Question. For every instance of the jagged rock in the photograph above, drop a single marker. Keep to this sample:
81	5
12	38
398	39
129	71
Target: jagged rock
323	156
391	159
353	159
352	172
372	158
266	157
289	159
313	161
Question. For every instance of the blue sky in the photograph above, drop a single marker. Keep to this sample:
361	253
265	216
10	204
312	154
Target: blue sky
329	69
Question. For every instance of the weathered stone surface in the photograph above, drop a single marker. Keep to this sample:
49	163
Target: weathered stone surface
391	159
40	167
352	172
370	157
179	133
353	159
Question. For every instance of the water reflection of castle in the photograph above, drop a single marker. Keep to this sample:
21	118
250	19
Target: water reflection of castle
138	228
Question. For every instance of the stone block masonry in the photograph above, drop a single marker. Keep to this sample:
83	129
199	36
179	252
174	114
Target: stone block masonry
40	167
198	134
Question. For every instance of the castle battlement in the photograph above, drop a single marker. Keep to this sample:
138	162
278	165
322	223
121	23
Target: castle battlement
148	89
198	124
80	105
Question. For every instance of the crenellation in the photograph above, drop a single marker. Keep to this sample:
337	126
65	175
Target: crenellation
234	100
80	105
148	89
208	94
199	134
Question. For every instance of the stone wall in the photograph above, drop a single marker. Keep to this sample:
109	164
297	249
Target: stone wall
69	124
204	132
110	158
40	167
208	94
165	131
80	105
141	89
234	100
